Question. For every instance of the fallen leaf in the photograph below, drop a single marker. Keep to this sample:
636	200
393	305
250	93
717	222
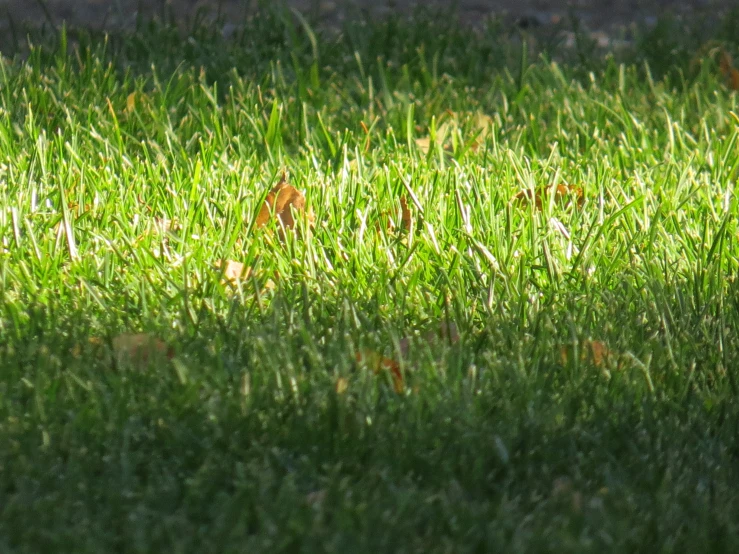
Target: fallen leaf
131	102
378	364
284	201
342	385
730	73
562	193
165	225
725	62
388	222
137	349
482	126
563	490
466	129
76	351
734	79
423	144
373	360
405	214
271	284
234	272
561	486
591	351
316	498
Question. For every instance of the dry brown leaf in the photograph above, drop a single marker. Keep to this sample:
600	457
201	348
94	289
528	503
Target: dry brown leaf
726	66
734	79
139	348
562	193
388	222
470	129
271	284
164	225
378	364
128	348
405	214
234	272
482	127
725	62
423	144
373	360
284	201
591	351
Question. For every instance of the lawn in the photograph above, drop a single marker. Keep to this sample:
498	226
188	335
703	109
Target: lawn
492	307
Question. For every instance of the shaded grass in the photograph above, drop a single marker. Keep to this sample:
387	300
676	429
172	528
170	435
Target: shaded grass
242	443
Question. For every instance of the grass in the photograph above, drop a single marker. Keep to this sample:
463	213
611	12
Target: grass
241	442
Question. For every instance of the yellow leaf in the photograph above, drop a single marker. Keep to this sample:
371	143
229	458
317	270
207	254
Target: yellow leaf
131	102
342	385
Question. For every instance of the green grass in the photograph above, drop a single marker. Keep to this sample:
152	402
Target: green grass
241	442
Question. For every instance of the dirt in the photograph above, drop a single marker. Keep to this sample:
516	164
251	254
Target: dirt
603	15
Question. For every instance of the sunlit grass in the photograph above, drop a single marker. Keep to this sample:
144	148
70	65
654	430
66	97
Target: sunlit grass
132	167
